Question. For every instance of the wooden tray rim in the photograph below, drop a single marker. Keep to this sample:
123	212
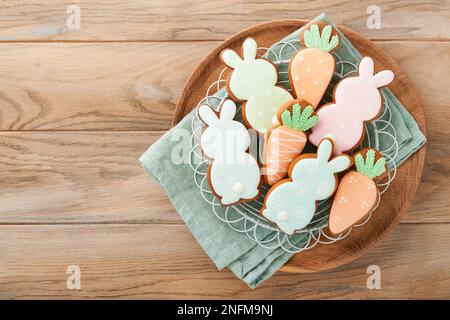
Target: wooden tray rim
181	111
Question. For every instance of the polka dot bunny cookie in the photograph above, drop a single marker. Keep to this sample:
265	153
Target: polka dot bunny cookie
291	203
253	81
311	69
234	175
357	99
357	193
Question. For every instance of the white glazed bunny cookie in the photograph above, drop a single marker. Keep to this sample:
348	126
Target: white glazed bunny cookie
253	81
291	203
234	174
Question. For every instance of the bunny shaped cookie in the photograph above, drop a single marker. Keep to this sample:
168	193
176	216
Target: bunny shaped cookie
253	81
234	174
291	203
357	100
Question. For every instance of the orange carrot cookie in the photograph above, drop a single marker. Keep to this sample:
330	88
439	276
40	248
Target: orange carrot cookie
357	193
286	142
311	69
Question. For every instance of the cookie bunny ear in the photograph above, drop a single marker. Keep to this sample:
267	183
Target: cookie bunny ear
383	78
366	67
207	115
250	48
227	110
231	58
325	149
340	163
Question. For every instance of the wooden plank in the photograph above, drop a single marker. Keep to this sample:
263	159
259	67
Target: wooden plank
33	20
165	261
94	177
425	67
79	177
431	197
93	86
84	87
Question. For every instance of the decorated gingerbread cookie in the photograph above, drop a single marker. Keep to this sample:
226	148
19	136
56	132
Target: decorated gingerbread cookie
357	99
291	203
312	68
234	174
253	81
285	142
357	193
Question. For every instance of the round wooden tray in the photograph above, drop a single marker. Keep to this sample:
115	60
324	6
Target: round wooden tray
402	190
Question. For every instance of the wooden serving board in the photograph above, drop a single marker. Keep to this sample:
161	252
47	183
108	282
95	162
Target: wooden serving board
394	202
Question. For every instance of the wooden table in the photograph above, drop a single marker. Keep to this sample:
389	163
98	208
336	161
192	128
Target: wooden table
78	107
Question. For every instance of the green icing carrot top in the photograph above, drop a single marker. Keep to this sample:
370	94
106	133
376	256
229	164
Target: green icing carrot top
313	38
369	167
298	119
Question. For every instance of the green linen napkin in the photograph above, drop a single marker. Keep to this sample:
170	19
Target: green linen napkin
226	247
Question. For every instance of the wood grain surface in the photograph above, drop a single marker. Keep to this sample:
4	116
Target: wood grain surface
72	86
124	20
165	261
77	108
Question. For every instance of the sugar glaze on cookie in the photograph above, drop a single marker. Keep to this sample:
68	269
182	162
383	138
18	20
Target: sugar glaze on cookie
357	193
312	67
253	81
357	99
291	203
234	175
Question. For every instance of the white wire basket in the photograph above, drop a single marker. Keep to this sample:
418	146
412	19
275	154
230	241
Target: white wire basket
245	217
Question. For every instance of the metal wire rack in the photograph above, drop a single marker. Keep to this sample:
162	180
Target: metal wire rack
245	217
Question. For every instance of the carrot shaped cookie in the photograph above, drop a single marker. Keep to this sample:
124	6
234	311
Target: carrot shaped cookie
285	142
311	69
357	193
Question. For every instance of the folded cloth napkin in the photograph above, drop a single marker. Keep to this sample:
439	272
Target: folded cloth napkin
226	247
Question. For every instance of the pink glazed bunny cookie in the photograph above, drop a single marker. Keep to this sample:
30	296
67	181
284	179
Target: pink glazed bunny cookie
357	99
